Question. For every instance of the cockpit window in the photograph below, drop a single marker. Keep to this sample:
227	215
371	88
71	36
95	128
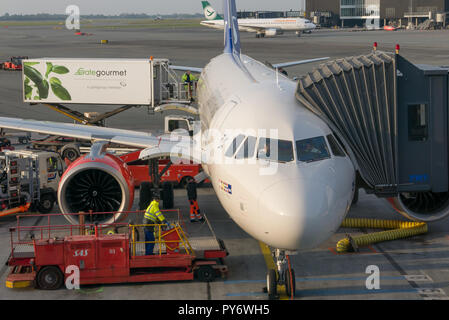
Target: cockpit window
336	149
275	150
247	149
234	145
314	149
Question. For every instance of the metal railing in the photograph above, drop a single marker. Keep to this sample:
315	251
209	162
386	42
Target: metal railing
24	236
172	239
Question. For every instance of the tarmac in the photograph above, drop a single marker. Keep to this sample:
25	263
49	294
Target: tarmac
410	269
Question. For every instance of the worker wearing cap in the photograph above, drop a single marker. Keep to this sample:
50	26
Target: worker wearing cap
191	195
153	216
189	80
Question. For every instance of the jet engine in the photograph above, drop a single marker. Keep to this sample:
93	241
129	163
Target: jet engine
422	206
271	32
101	183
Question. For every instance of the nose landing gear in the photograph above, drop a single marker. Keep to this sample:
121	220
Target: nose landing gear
284	276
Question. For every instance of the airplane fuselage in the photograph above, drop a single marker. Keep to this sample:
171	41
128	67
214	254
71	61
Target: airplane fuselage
289	204
253	25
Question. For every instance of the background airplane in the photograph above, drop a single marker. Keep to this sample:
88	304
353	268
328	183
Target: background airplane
262	27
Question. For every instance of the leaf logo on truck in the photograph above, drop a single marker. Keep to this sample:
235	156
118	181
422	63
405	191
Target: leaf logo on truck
35	80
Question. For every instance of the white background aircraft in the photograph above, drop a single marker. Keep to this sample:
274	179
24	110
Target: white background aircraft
262	27
276	167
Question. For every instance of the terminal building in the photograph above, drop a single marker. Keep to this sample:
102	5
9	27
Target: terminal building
356	12
269	14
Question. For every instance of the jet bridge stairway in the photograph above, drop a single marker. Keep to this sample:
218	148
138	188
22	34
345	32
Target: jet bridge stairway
392	118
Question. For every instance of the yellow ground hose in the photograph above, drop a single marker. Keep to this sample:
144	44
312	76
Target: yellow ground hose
402	229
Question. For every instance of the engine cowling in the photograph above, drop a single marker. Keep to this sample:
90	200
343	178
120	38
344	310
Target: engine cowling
101	184
271	32
422	206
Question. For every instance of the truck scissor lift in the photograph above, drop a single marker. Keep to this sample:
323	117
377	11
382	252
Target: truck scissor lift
110	253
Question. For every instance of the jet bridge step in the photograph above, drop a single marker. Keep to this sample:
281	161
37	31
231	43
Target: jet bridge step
356	96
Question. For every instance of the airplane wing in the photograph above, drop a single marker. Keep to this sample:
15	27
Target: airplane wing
251	28
185	68
153	145
295	63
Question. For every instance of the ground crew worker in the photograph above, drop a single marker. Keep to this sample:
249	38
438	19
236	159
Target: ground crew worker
281	70
189	81
194	208
152	217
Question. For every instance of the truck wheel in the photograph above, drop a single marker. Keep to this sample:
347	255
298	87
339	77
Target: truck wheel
46	203
71	152
50	278
167	195
205	274
23	140
145	195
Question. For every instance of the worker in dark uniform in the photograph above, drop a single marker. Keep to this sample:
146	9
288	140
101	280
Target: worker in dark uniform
152	217
194	208
282	70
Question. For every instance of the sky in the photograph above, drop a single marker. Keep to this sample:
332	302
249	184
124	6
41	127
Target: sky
109	7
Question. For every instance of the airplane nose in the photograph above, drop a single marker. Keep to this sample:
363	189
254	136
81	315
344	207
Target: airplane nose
300	214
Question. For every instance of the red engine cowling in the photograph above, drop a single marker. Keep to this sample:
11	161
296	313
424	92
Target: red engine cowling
101	184
422	206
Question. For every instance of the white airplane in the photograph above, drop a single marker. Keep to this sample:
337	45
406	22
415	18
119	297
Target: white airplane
276	167
262	27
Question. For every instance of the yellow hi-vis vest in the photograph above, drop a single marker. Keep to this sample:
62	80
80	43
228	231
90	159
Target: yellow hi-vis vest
153	213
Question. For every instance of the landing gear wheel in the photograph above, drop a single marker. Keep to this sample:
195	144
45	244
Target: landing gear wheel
46	203
290	283
167	195
50	278
272	284
205	274
144	195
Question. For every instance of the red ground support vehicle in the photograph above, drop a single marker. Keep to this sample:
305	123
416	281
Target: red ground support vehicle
102	257
176	174
390	28
14	63
5	144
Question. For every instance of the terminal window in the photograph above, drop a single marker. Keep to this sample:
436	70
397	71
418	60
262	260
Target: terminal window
417	122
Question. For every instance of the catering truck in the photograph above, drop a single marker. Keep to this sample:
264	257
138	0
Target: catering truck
143	82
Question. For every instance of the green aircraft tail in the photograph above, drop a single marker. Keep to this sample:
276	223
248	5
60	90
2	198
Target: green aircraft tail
210	12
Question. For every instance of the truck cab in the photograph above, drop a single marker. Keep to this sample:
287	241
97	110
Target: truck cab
179	124
14	63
